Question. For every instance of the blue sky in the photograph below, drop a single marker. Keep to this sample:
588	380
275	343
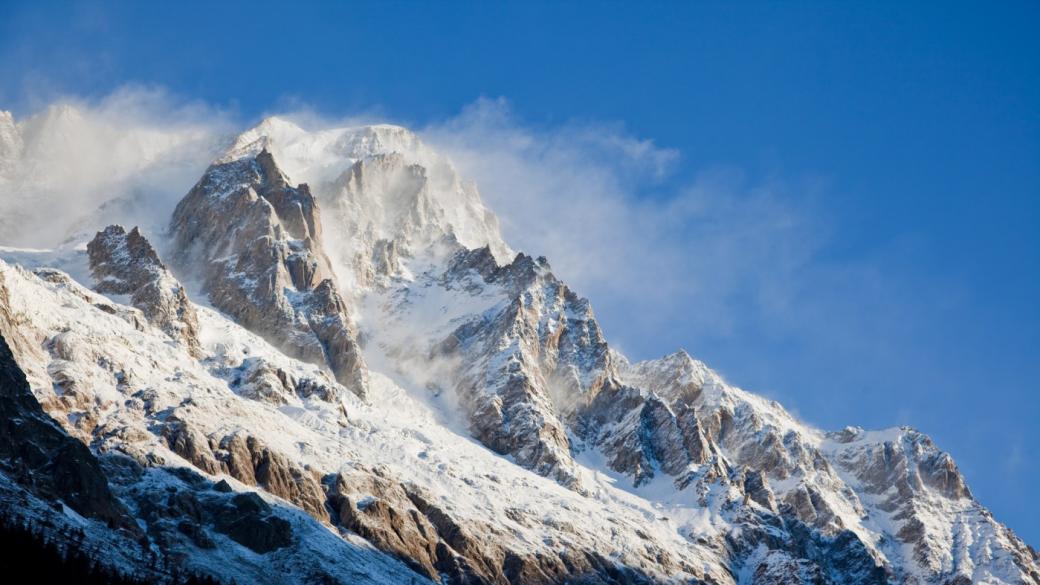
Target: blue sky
834	204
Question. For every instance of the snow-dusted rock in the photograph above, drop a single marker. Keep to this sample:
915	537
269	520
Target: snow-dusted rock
126	264
250	461
255	243
528	362
176	411
36	453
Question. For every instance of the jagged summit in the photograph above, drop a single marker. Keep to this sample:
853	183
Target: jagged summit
390	193
255	243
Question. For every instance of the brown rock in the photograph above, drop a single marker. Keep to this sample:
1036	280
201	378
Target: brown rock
255	242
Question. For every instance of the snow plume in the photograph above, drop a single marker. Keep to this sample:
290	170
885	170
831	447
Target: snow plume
137	149
714	253
584	196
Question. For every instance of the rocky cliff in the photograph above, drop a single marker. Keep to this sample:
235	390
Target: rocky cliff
254	241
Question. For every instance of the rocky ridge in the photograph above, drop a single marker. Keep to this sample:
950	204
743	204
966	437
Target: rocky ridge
538	382
37	454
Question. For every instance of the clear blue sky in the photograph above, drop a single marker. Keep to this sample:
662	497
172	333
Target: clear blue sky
923	120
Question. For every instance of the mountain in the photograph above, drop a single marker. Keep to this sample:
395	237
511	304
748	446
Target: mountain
341	373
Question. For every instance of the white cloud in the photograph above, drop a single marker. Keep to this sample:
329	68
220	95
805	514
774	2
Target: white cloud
705	254
137	145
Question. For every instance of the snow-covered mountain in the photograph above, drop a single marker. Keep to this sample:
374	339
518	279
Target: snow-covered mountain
329	367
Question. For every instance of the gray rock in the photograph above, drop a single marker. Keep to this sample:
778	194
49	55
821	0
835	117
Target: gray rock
531	365
403	520
756	486
258	379
250	461
249	521
38	453
186	441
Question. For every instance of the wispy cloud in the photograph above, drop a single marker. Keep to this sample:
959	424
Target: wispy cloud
137	145
718	257
591	198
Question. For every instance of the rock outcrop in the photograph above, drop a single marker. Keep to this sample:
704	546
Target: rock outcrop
403	519
528	365
254	241
258	379
250	461
539	370
249	521
125	263
37	453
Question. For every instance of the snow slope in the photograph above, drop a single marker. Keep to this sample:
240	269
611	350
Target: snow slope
162	381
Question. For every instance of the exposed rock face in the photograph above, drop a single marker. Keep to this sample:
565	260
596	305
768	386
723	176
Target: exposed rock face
756	486
37	453
379	510
187	517
260	380
641	432
255	242
126	264
530	364
540	365
903	473
778	568
403	519
250	461
713	419
248	520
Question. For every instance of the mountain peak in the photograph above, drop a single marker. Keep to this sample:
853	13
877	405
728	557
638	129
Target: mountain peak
313	156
